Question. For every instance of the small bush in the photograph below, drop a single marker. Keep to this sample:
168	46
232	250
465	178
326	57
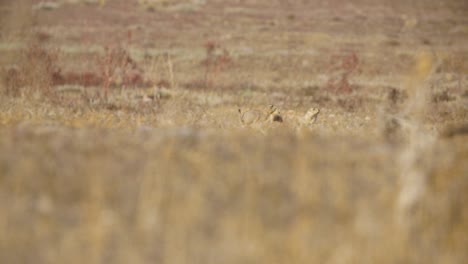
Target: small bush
217	58
33	72
340	69
118	68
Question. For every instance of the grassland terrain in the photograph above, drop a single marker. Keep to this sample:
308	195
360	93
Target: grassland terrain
121	139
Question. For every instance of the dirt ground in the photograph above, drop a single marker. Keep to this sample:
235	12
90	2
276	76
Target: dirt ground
121	139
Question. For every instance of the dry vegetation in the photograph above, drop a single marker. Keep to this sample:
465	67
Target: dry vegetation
121	140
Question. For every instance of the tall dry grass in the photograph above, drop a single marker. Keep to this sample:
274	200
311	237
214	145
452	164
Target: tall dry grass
417	156
186	195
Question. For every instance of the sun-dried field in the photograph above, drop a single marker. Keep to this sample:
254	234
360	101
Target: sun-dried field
121	139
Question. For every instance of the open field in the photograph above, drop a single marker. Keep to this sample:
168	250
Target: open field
121	139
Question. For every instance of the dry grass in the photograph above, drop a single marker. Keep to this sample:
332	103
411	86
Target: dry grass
94	170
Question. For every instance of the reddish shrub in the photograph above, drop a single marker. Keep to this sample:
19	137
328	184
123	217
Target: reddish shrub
339	70
217	58
34	71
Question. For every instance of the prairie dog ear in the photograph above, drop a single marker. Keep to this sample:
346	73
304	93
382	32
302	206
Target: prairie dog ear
272	108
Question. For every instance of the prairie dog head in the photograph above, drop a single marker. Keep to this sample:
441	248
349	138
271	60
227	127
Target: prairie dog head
274	114
311	115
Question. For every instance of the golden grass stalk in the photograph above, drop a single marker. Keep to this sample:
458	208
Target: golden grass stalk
415	158
170	70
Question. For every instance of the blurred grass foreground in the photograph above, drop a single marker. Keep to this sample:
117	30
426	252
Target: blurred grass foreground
183	196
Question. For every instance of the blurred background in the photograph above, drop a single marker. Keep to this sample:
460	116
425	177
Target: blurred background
121	142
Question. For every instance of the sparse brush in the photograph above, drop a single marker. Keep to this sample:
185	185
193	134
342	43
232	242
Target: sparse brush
118	68
215	62
33	72
339	71
30	69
